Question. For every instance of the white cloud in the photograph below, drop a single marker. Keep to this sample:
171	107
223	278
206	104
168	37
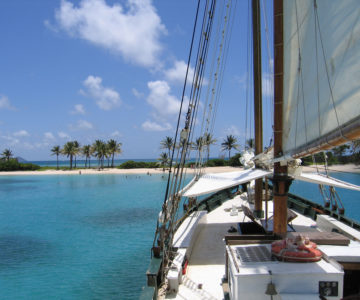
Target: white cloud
106	98
49	136
153	126
5	103
232	130
11	141
132	31
116	133
21	133
178	72
78	109
82	124
63	135
137	94
164	104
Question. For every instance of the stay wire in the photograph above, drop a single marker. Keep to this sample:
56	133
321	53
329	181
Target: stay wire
224	64
182	98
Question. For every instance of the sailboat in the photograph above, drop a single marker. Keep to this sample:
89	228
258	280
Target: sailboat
226	245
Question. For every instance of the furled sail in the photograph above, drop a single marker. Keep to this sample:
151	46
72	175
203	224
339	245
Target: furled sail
321	75
326	180
213	182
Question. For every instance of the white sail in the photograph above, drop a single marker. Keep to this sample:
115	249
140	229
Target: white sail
324	44
213	182
326	180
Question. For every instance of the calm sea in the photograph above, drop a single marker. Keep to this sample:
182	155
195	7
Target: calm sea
86	236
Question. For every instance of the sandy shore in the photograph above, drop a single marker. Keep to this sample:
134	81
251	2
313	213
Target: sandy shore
349	168
113	171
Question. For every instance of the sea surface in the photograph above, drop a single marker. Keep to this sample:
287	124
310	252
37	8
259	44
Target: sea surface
77	237
88	236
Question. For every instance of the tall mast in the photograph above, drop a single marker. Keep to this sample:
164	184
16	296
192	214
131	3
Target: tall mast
280	180
258	212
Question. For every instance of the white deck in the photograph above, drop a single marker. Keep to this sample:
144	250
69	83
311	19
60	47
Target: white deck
206	266
208	256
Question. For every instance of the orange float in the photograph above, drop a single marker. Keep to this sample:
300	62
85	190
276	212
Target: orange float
299	250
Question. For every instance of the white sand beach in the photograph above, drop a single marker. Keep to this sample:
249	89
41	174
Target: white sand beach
349	168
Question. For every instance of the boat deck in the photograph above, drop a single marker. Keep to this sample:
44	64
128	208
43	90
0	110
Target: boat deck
208	254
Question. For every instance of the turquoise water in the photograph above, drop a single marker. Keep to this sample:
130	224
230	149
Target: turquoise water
88	236
77	237
350	199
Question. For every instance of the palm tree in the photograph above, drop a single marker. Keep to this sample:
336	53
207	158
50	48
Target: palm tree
69	150
114	147
164	160
198	145
77	150
250	143
7	154
229	143
56	151
208	141
167	143
99	150
86	151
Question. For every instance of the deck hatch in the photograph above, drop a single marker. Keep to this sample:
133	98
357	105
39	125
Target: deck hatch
253	254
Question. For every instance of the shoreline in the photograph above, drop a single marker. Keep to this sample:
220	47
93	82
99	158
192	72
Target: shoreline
348	168
145	171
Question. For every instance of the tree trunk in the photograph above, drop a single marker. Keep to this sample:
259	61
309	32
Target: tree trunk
57	161
71	160
112	161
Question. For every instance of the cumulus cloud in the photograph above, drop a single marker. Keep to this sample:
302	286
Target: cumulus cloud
105	98
63	135
164	104
153	126
49	136
5	103
178	71
21	133
132	30
78	109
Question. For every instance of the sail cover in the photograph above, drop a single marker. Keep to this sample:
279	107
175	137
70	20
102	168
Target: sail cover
213	182
321	75
326	180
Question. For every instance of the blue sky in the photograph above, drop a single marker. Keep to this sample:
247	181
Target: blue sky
96	69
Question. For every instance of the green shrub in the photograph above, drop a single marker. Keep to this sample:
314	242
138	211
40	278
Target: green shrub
235	160
130	164
216	162
14	165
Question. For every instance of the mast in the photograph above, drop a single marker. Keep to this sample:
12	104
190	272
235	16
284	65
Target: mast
258	212
280	179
